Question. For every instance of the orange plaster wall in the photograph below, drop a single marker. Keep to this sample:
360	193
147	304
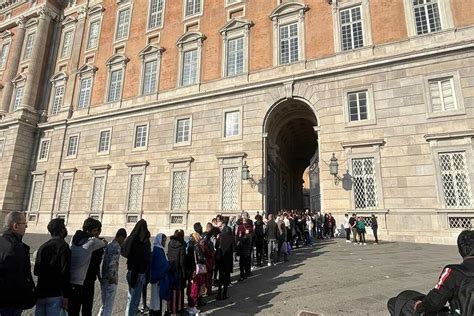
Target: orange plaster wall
318	30
463	12
261	34
388	21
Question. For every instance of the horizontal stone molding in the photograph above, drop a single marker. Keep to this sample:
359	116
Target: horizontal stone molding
364	143
38	173
66	170
100	167
231	155
180	160
460	134
137	164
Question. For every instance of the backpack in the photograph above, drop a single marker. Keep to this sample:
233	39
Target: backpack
463	303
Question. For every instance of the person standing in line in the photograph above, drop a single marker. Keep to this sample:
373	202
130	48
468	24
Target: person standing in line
374	225
176	257
353	224
93	273
272	239
110	266
52	266
209	252
282	246
224	257
160	287
259	238
83	244
17	290
245	254
194	257
347	227
361	230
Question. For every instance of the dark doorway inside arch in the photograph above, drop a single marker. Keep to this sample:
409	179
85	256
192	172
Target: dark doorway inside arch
291	148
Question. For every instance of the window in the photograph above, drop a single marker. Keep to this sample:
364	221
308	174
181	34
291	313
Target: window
58	99
72	145
85	93
44	150
104	141
183	128
4	55
179	190
232	124
115	85
190	65
18	97
141	136
30	40
364	183
427	18
357	103
289	43
123	21
455	181
193	7
230	189
2	147
97	194
65	194
67	43
235	56
232	1
155	17
150	76
351	28
442	95
94	31
135	193
36	191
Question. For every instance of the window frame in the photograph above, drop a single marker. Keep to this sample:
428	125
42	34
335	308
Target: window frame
121	8
68	29
17	85
3	141
195	14
457	92
135	127
116	63
445	15
57	80
175	134
40	149
371	111
179	165
4	62
98	172
97	20
105	152
135	169
37	177
73	156
149	16
232	30
24	57
85	72
230	161
66	174
150	53
224	122
188	42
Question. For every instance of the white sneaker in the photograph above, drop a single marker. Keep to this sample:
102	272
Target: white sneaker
192	310
365	244
348	241
253	268
269	264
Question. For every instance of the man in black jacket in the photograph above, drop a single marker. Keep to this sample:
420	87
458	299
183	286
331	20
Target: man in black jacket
272	238
224	256
52	266
17	290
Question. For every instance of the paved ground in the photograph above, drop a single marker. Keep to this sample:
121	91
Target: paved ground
331	278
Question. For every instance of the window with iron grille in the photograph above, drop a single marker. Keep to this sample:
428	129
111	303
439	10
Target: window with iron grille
4	55
72	146
232	124
85	93
135	193
289	42
94	30
178	192
115	85
35	198
44	149
155	16
65	195
58	99
141	136
177	219
235	56
149	76
351	28
18	97
193	7
461	222
104	141
183	127
357	105
67	44
230	189
30	40
427	17
98	190
442	95
364	183
455	179
190	64
123	20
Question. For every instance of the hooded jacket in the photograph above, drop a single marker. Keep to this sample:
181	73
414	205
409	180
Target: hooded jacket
137	249
176	257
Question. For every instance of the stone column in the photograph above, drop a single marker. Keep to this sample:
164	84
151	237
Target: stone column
12	67
40	50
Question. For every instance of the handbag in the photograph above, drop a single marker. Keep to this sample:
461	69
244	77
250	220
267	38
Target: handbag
200	267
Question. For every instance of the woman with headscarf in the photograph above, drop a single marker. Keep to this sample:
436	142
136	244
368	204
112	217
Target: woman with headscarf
160	287
136	249
196	281
176	257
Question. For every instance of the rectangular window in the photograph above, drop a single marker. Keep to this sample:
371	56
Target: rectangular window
85	93
149	76
115	85
44	150
30	40
289	49
155	17
35	198
232	124
4	55
141	136
455	179
123	20
235	56
72	145
67	44
230	189
18	97
135	193
178	194
193	7
442	95
427	18
351	28
357	106
183	127
97	196
2	147
190	63
365	183
94	30
104	141
65	195
58	99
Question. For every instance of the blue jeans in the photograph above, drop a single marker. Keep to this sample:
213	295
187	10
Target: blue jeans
9	311
108	297
134	294
49	306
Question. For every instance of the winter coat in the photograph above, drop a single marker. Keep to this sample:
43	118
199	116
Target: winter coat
176	257
225	250
272	230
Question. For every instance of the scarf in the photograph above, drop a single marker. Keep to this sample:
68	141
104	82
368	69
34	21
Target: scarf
158	241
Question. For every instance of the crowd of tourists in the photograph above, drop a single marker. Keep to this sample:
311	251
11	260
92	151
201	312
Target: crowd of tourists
172	267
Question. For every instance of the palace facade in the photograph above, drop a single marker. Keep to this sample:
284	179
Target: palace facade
176	110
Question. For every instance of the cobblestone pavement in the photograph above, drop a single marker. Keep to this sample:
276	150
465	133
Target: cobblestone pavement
331	278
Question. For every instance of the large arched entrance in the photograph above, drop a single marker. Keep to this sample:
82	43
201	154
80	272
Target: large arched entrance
291	154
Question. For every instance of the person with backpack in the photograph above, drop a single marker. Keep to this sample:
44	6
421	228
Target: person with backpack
455	285
361	230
